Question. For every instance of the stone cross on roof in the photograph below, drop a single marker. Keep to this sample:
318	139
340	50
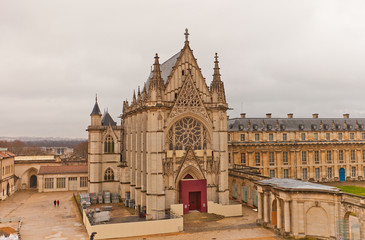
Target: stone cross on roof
186	35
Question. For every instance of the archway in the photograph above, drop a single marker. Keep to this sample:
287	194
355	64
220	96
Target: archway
273	213
341	174
352	225
33	181
193	193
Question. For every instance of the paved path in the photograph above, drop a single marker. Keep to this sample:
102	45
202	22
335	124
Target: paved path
233	228
41	220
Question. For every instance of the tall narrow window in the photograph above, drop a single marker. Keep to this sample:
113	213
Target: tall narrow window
353	171
229	157
304	157
257	137
328	136
363	136
286	173
329	156
305	173
109	144
363	156
303	136
285	158
329	172
242	137
272	173
353	155
257	159
317	173
340	156
316	157
285	137
271	159
271	137
315	136
352	136
243	158
109	175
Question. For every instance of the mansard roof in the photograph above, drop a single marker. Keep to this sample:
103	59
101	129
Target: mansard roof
295	124
107	120
166	68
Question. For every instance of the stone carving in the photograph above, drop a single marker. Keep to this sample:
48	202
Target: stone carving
189	100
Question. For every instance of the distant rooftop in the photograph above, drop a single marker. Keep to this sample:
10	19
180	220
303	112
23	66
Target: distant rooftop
63	169
292	184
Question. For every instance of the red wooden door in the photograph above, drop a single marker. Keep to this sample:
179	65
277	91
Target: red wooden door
193	200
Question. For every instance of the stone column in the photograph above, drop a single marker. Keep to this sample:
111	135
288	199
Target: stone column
278	212
266	207
362	227
286	216
259	207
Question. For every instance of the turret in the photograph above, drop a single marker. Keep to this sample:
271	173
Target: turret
96	114
217	86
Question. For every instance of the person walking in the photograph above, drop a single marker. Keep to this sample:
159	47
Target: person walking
58	203
54	202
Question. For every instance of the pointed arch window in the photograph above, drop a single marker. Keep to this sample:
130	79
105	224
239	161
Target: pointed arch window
188	132
109	175
109	144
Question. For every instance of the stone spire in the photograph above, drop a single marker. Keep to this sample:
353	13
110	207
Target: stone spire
134	98
144	92
139	95
217	86
156	83
96	109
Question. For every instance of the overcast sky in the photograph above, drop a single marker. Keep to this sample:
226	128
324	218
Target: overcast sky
302	57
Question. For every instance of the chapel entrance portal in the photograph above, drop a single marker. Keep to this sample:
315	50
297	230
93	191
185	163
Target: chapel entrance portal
193	195
33	181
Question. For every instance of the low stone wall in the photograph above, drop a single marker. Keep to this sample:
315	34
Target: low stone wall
177	209
131	229
225	210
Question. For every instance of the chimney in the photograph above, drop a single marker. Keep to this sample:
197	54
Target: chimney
315	115
268	115
243	115
290	115
346	115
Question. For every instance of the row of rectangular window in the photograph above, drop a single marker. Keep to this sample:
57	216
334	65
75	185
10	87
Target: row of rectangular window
303	136
61	182
317	173
304	157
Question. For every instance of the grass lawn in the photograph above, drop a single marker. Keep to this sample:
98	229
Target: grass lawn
353	190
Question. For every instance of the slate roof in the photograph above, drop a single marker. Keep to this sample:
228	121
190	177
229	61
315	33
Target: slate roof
107	120
96	109
292	184
295	124
62	169
166	68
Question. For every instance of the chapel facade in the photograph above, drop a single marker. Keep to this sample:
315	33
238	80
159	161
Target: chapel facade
172	142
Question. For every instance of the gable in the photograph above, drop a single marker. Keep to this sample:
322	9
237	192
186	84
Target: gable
186	64
188	100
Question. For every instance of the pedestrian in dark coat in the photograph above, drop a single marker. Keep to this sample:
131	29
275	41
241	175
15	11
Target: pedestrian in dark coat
58	203
54	202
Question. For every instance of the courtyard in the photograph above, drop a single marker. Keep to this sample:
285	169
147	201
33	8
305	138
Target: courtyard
41	220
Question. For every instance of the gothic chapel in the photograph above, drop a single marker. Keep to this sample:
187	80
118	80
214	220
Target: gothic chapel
171	146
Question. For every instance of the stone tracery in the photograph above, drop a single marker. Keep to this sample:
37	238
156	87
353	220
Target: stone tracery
188	132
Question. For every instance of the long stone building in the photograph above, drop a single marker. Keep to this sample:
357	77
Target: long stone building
310	149
172	142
